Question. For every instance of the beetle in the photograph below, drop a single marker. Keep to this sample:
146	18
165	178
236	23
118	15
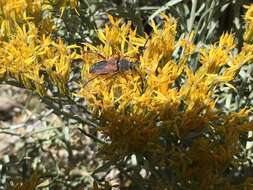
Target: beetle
114	64
111	66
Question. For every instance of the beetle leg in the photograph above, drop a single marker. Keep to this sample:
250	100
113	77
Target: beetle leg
112	74
124	75
90	80
142	80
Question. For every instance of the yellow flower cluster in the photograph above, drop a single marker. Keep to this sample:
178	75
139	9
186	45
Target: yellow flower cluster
14	12
163	100
248	35
155	92
28	58
27	53
163	108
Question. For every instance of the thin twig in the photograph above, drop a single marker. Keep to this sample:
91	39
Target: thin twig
91	136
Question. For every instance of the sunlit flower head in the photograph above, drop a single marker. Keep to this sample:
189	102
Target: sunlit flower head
30	59
162	90
248	35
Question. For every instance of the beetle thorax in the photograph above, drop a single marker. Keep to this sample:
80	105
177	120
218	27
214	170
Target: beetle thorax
124	65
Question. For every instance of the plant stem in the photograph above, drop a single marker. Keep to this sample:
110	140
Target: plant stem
193	15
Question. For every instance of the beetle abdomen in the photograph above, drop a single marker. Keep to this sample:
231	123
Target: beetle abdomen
104	67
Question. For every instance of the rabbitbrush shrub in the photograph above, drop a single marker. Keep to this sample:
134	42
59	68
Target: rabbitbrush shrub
161	125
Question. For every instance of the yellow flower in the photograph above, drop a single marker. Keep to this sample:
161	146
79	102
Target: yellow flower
162	109
248	35
14	12
249	14
56	61
18	58
162	92
27	57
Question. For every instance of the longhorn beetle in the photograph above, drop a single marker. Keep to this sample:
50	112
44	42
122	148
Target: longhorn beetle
113	66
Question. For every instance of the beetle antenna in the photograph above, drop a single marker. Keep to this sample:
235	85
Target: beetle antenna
96	53
146	41
142	48
145	44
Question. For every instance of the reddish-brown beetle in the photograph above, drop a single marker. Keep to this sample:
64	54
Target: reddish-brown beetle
114	64
111	66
